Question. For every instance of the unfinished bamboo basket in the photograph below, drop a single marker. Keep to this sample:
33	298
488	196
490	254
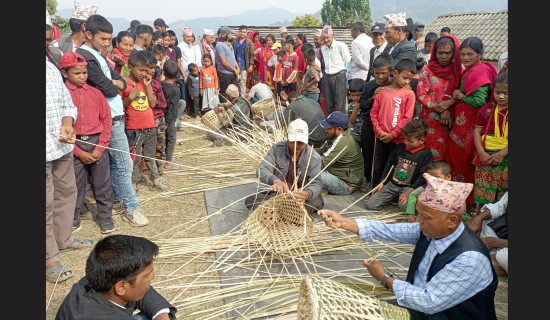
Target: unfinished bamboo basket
321	298
261	109
279	224
211	121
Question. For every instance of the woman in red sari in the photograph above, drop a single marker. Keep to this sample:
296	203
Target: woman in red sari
262	55
254	37
437	81
474	93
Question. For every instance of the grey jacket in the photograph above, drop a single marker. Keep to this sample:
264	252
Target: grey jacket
277	162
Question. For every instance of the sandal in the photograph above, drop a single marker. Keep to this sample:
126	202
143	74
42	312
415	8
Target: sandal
80	244
58	273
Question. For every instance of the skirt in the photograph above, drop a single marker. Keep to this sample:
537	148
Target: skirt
209	99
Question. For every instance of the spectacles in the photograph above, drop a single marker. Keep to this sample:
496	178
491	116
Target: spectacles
140	97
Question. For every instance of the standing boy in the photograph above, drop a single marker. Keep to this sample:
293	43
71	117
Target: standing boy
193	87
139	99
93	132
393	108
173	104
355	115
312	77
409	161
99	32
289	68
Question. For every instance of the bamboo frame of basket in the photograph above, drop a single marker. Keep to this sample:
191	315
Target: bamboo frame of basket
322	298
263	108
211	121
279	224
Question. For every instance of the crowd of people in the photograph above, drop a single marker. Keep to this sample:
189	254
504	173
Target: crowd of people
425	111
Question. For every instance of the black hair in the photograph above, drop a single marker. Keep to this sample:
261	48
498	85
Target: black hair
207	56
75	24
302	37
173	34
356	85
121	35
270	36
256	77
306	46
262	41
444	41
149	56
118	257
502	78
143	29
281	53
158	72
156	36
165	34
158	49
446	29
358	26
97	23
417	127
291	42
473	43
440	164
137	59
192	66
49	27
431	37
383	60
309	54
171	69
405	64
420	63
134	23
242	27
294	94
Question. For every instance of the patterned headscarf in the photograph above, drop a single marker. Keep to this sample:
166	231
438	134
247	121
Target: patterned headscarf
327	31
187	31
445	195
395	20
232	91
83	13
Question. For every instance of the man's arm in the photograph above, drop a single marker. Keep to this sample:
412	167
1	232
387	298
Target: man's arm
98	79
153	302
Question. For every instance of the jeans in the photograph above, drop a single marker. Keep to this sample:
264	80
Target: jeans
121	167
314	96
333	184
141	316
254	100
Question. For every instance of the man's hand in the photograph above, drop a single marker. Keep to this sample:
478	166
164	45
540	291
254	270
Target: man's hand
66	131
377	188
279	186
219	109
411	218
301	196
375	268
475	224
332	218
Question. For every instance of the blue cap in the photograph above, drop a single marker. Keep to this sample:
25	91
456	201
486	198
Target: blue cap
335	119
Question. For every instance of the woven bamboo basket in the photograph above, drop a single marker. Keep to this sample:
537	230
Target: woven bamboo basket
263	108
211	121
328	299
279	224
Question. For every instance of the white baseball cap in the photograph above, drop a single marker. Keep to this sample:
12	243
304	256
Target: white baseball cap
298	131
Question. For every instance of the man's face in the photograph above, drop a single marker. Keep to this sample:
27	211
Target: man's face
209	38
331	133
394	35
100	41
243	33
327	40
297	146
136	291
318	41
49	37
283	35
76	74
160	29
354	33
433	224
188	38
378	38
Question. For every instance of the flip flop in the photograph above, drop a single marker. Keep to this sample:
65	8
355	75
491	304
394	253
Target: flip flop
58	273
80	244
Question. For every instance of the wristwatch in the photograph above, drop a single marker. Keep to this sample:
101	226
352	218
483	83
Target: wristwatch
385	278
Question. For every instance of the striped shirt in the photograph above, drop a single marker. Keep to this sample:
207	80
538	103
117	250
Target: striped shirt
59	104
459	280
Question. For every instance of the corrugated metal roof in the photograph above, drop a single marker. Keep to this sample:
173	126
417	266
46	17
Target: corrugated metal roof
490	26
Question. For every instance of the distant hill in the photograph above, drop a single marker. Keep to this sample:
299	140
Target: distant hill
424	11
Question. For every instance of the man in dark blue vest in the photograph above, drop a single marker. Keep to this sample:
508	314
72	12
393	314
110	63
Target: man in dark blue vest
450	274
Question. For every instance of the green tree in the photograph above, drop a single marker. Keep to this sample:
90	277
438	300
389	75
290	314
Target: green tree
307	20
51	7
61	23
344	12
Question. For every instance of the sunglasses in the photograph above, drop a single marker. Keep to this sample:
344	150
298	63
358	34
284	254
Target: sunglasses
140	97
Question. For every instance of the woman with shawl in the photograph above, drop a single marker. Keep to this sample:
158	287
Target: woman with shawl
474	92
263	54
254	37
436	83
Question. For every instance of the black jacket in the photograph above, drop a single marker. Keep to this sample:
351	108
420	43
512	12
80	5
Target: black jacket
310	111
84	303
402	50
98	79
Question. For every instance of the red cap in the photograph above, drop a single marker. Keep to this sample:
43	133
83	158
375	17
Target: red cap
71	59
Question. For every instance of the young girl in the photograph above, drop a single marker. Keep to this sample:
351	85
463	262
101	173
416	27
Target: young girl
491	141
209	84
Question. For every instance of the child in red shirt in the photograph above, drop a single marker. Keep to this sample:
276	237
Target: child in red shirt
392	109
139	101
291	61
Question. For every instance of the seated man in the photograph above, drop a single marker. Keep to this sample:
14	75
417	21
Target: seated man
280	164
119	271
232	114
309	110
259	90
492	226
343	169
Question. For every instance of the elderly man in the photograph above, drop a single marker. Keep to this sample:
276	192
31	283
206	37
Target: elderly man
228	68
77	22
360	52
336	56
450	274
291	166
396	34
244	53
343	168
206	45
379	41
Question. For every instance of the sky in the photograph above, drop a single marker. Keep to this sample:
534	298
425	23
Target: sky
174	10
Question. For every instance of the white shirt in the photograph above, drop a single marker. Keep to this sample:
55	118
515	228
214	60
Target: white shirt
261	91
378	51
190	53
336	57
273	63
360	55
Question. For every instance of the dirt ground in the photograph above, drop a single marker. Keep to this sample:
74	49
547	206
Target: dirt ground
180	213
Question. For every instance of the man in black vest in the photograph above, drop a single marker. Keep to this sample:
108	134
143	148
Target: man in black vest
450	274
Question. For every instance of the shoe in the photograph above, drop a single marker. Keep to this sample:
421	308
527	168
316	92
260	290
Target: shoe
135	218
76	226
324	192
79	244
160	184
58	273
106	225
